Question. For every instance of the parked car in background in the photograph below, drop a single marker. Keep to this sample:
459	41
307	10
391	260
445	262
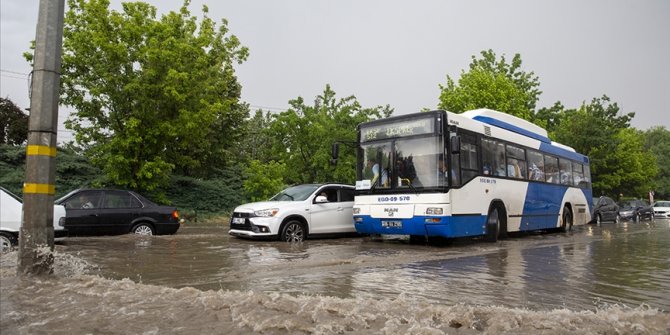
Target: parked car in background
635	210
662	209
11	212
605	209
296	213
113	212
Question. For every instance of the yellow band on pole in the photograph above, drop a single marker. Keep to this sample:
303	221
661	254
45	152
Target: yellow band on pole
41	150
39	189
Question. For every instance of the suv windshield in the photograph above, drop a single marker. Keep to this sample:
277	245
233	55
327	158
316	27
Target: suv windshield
402	164
295	193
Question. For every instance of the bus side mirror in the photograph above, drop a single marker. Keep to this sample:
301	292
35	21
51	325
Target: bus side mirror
455	145
335	153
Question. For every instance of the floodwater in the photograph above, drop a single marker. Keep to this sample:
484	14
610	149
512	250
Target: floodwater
608	279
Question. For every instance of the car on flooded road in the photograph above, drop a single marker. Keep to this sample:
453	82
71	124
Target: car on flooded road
605	209
635	210
296	213
11	209
662	209
114	212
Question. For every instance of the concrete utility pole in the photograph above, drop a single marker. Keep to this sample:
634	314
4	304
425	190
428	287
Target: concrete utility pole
37	233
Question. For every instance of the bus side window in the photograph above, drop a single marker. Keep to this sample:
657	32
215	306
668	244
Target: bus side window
469	164
493	158
551	169
535	166
489	154
516	162
566	171
578	174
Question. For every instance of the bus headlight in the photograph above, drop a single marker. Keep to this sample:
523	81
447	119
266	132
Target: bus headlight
434	211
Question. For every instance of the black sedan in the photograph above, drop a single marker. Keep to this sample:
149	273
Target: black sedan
636	210
605	209
113	212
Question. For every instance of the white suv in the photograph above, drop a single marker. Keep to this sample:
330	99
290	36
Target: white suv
296	212
11	209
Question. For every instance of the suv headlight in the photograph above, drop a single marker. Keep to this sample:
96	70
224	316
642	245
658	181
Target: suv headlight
266	212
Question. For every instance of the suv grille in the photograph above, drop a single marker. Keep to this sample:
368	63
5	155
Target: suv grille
240	226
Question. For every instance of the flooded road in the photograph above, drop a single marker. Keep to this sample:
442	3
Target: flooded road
595	280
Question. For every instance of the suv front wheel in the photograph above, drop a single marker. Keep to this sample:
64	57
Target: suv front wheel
293	231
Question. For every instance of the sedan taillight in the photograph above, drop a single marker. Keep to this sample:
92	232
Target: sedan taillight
175	214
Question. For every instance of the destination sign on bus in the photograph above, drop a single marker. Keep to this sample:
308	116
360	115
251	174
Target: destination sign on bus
398	129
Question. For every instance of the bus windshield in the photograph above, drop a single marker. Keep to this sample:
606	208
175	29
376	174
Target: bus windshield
403	163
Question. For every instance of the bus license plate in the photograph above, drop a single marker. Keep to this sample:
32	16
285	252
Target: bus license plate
238	220
392	224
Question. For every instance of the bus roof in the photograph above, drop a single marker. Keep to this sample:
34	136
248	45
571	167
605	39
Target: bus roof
508	122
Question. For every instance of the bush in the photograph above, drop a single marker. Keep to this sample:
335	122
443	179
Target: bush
197	197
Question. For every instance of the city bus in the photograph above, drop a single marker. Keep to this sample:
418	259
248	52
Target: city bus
479	173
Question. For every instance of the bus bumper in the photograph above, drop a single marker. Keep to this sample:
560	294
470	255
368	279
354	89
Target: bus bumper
445	226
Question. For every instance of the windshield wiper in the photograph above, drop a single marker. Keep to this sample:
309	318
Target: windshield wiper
409	183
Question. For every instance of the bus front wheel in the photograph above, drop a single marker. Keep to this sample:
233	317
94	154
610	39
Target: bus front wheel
493	225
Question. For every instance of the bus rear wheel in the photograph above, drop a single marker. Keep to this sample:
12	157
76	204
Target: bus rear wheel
493	225
566	225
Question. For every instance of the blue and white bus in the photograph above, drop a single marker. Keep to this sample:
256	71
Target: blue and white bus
482	172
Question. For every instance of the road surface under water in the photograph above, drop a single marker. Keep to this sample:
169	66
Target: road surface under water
608	279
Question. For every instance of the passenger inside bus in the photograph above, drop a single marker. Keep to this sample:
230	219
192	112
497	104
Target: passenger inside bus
513	169
536	172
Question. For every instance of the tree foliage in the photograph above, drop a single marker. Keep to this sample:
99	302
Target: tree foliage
306	134
619	163
152	96
13	123
72	170
492	83
263	180
657	140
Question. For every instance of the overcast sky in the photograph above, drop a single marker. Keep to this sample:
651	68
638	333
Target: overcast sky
398	52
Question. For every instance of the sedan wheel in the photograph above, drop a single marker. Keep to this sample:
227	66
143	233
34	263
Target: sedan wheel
293	232
143	229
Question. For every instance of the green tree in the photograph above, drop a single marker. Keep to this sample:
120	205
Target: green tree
657	140
600	131
636	166
151	96
263	180
260	140
494	84
13	123
306	134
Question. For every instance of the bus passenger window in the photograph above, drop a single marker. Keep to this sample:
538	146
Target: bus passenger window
535	166
551	169
469	164
516	162
577	174
493	158
565	167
